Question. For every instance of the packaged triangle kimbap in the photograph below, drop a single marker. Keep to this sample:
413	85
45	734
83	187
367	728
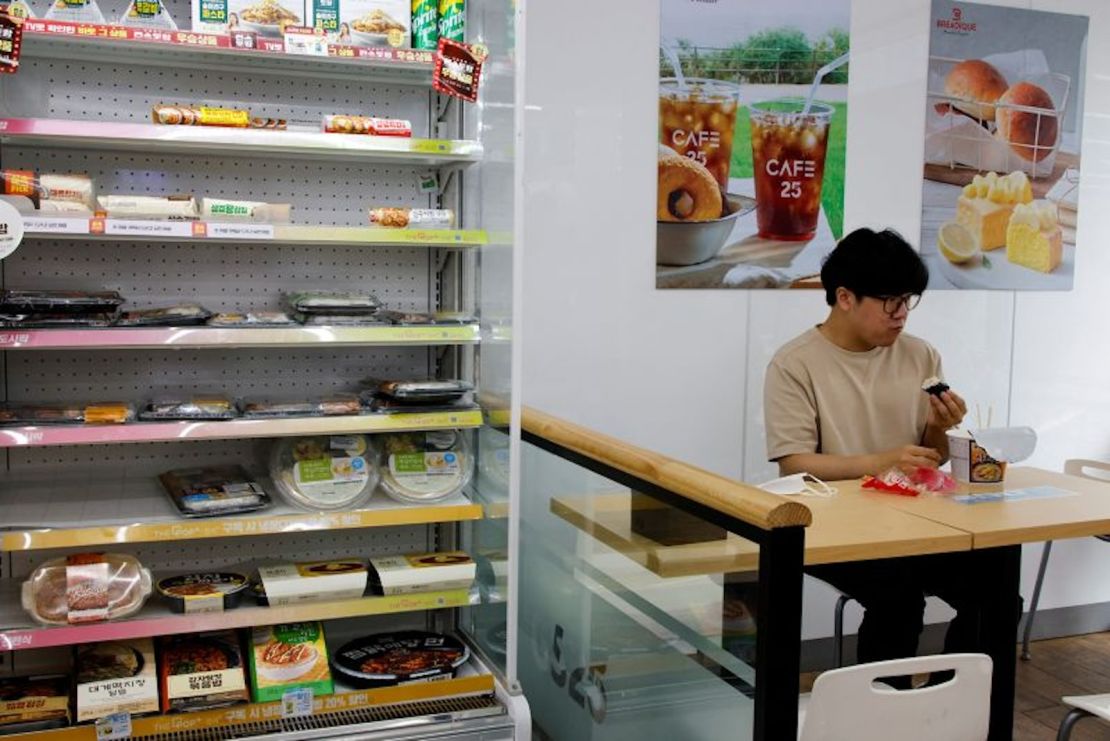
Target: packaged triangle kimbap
148	14
75	11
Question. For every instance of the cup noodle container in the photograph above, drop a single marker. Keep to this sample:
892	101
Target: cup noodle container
971	463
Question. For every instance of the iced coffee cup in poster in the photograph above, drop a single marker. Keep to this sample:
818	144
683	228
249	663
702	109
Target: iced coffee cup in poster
789	142
697	119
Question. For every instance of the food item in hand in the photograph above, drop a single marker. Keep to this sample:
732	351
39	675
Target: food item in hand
33	704
178	207
422	467
404	657
687	190
1034	238
201	671
285	657
325	473
1031	135
934	386
415	218
986	204
116	677
222	209
86	587
204	592
346	124
216	490
975	86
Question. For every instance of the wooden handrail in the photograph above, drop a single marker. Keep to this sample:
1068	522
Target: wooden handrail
747	503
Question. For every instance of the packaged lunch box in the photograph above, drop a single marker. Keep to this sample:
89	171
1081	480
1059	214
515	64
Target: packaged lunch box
213	491
86	587
201	671
333	302
116	677
404	657
427	391
326	472
180	315
30	704
204	592
62	302
325	406
251	319
423	467
207	407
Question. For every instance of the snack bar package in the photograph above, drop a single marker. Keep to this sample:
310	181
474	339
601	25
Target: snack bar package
201	671
414	218
265	17
350	124
286	657
86	588
116	677
222	209
174	208
148	14
362	22
63	193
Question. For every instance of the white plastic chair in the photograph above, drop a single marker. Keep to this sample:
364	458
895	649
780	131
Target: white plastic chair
1085	706
1073	467
849	704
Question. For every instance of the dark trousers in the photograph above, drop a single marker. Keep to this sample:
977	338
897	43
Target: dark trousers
892	593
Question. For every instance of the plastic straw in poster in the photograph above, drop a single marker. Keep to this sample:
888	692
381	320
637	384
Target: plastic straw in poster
838	62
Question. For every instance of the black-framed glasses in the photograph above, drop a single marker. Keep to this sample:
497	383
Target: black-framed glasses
891	304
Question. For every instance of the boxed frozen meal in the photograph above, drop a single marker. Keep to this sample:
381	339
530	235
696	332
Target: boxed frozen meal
264	17
421	572
116	677
363	22
286	657
293	583
201	671
33	704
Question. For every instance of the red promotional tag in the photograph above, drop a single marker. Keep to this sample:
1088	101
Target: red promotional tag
458	69
11	39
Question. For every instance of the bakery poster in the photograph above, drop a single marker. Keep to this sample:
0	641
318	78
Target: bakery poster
1003	126
753	105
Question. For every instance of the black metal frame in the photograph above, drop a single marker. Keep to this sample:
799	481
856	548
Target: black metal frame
779	612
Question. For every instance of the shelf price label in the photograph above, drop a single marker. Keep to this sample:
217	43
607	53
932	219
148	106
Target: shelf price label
112	727
56	224
296	703
240	231
148	228
306	41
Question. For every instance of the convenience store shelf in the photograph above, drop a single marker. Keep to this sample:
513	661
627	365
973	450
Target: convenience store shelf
89	511
202	337
236	429
66	134
123	230
467	696
144	47
156	618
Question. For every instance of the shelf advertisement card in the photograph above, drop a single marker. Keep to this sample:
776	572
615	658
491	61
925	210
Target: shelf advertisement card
753	107
1003	121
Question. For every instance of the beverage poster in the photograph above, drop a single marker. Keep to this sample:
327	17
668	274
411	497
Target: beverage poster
1003	122
753	105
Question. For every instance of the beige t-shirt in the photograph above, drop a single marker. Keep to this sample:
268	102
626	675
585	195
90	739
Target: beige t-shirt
821	398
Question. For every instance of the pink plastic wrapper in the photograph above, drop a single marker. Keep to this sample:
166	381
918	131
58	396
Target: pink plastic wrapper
921	481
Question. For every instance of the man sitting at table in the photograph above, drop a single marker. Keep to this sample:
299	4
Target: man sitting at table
844	400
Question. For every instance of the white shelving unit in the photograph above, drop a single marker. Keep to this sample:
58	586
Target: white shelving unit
81	102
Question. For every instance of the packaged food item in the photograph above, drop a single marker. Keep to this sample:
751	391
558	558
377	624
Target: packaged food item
422	467
452	19
342	320
64	207
345	124
174	208
74	190
289	656
74	11
204	592
362	22
116	677
179	315
213	491
251	319
20	413
412	218
86	587
148	14
421	572
427	391
20	9
439	318
265	17
319	581
333	302
222	209
48	320
425	24
209	406
324	406
325	473
201	671
30	704
30	302
109	413
404	657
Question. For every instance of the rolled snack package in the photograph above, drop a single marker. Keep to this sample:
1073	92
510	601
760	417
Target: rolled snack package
217	209
415	218
183	115
278	124
346	124
180	207
64	207
68	188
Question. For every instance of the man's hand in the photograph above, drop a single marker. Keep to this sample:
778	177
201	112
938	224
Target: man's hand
945	411
908	458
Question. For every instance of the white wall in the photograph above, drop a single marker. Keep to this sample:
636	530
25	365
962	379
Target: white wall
682	372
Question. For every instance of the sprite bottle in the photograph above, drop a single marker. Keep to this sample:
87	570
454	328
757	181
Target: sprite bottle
425	24
452	19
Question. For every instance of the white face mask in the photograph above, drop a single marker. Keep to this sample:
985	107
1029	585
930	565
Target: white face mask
802	484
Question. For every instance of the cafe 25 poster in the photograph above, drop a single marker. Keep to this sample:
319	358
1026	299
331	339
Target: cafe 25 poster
753	105
1003	120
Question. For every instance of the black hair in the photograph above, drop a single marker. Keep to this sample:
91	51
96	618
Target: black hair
871	263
